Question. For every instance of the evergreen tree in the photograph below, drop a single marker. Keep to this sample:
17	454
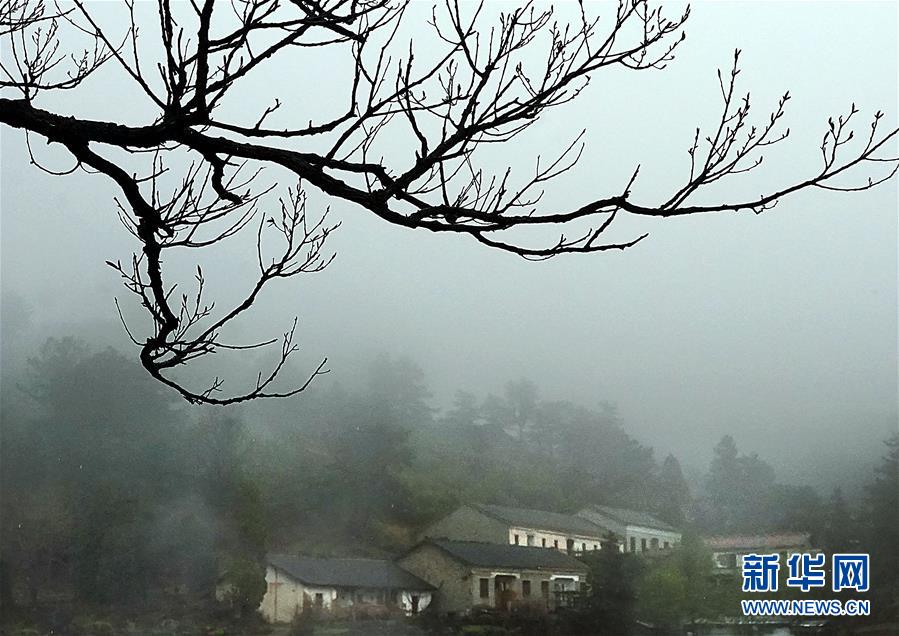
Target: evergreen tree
465	411
611	595
722	486
839	525
882	513
674	493
521	397
739	492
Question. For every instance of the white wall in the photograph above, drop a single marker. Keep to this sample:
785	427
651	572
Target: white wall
284	596
551	537
638	533
424	599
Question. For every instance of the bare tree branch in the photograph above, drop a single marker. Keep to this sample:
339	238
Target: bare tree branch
480	81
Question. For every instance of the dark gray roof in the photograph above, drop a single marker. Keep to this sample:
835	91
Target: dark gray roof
495	555
634	517
359	573
542	520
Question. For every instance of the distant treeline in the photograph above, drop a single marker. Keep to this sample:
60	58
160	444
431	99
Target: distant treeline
116	492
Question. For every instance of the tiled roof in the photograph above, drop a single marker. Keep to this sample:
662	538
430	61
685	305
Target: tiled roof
634	518
759	541
358	573
495	555
542	520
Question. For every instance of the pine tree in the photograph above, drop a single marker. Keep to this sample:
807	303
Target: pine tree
882	504
674	493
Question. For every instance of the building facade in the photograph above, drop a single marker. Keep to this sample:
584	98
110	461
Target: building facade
638	531
468	574
340	586
519	526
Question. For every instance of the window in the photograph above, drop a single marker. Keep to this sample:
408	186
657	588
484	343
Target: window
516	539
569	546
633	544
525	588
642	545
667	545
556	544
530	539
595	547
544	589
583	547
543	541
654	544
319	599
485	588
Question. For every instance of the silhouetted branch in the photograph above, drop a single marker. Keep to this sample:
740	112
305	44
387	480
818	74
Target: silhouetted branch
482	81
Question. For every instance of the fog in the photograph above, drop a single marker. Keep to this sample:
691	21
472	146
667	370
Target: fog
732	374
779	329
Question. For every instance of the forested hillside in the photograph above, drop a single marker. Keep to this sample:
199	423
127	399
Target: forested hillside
116	492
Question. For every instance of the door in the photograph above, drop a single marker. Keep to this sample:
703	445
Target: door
504	591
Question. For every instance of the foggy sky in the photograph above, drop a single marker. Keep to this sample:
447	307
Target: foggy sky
780	329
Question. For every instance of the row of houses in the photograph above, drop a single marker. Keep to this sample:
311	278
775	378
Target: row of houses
493	556
633	531
478	555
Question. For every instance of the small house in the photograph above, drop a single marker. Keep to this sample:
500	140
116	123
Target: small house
351	587
468	574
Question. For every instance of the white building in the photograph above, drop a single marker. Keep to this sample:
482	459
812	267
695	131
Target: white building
365	586
519	526
638	531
